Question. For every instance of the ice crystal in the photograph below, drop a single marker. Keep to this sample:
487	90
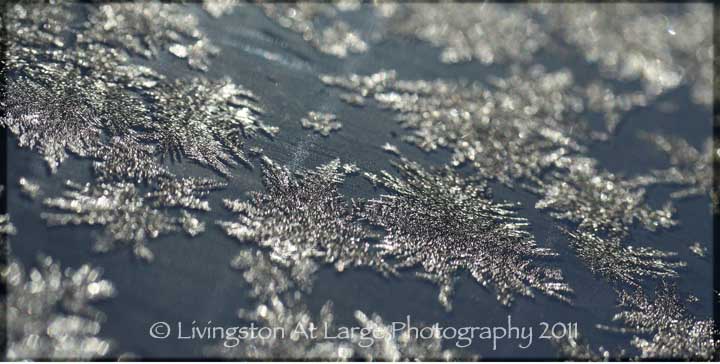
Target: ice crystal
148	29
186	192
320	122
489	33
126	159
661	45
81	97
267	279
287	317
126	215
699	250
674	332
50	314
443	223
28	188
600	201
337	38
617	263
689	166
218	8
303	216
69	114
394	346
41	40
190	224
6	227
280	307
32	30
508	128
390	148
206	121
576	349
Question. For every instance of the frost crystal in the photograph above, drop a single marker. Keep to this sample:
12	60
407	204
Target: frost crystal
661	45
28	188
186	192
689	166
268	280
394	346
320	122
600	201
617	263
39	42
337	38
303	216
148	29
6	227
206	121
443	222
127	216
675	332
126	159
31	28
699	250
576	349
218	8
66	115
390	148
50	314
280	308
489	33
507	128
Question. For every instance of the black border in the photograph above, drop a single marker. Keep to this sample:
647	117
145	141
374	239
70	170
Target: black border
716	181
4	246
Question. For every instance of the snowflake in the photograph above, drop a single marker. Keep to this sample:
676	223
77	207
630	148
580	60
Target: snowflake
218	8
398	346
390	148
186	192
268	279
33	32
126	159
127	216
508	128
699	250
689	166
444	222
490	33
320	122
206	121
297	336
6	227
303	216
600	201
66	115
148	29
675	332
28	188
49	312
618	263
577	349
39	45
337	38
663	46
